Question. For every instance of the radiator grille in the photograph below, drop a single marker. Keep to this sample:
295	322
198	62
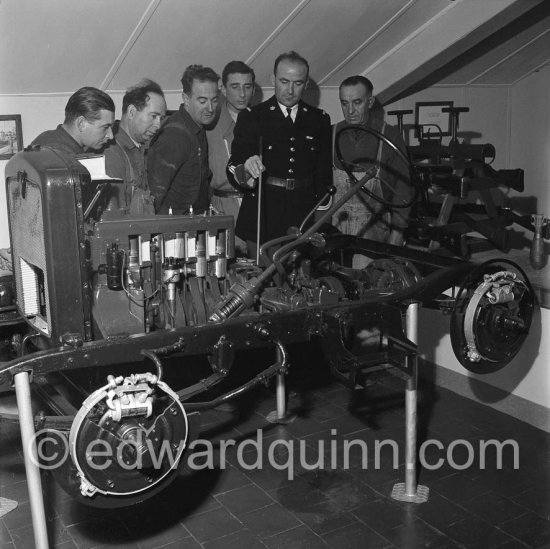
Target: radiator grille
29	260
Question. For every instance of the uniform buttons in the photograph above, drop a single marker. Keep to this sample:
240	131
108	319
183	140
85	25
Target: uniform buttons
291	171
291	159
292	149
293	139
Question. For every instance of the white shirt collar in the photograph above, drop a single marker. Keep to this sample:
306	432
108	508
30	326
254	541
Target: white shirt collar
293	111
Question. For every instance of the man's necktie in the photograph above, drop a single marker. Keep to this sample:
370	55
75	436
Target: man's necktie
289	118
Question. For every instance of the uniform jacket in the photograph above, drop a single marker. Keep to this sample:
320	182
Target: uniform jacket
177	166
59	139
301	151
220	138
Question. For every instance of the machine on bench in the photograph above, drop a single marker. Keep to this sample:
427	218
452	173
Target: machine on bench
452	177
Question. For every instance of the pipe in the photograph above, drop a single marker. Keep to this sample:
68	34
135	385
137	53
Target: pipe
32	468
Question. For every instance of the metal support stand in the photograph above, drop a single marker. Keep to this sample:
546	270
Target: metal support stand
32	469
409	490
280	415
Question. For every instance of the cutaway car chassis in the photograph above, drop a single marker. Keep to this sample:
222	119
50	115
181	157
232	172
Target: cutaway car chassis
306	293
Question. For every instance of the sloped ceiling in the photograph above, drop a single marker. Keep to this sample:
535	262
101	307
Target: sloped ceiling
57	46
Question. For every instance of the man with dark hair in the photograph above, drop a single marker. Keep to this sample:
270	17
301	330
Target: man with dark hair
89	117
294	160
237	88
362	215
143	110
177	162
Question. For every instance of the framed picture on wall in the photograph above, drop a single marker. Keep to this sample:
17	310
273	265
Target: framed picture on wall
432	114
11	135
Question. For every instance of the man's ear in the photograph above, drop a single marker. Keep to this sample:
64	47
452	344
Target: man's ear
81	123
131	111
371	101
273	79
223	90
185	98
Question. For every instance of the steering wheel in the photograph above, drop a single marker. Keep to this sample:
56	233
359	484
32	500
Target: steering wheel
394	202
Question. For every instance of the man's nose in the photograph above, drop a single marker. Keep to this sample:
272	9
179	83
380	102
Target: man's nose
110	134
350	109
291	87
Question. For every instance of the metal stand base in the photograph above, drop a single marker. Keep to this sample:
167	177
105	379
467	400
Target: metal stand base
280	415
410	490
399	493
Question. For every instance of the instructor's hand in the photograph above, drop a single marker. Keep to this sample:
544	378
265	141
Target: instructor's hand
254	166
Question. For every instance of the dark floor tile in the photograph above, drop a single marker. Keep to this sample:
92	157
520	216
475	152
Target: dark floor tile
493	508
356	536
535	501
269	521
514	544
529	528
185	543
17	491
439	511
98	532
268	477
238	540
212	524
23	538
380	480
244	499
457	487
152	530
299	495
21	517
340	487
4	534
382	515
476	533
325	517
415	533
297	538
65	545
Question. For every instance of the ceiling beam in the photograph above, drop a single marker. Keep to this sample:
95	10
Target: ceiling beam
134	35
462	25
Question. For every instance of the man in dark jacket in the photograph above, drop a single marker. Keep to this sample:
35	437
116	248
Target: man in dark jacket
287	143
177	162
89	118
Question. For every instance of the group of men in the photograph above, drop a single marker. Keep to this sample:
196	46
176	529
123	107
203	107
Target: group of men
222	153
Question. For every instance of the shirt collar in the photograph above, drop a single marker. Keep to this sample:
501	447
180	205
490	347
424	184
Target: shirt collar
125	138
293	111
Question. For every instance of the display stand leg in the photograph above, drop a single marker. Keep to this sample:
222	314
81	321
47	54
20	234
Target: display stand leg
32	469
280	415
409	490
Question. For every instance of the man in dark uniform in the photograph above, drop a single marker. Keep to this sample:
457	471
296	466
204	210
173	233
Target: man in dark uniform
294	141
177	162
89	118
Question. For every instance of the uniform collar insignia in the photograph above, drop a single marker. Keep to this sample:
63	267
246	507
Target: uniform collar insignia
272	108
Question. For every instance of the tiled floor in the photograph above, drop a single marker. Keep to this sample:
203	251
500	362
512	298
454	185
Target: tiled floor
245	505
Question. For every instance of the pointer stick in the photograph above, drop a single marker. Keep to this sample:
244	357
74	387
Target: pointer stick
259	210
